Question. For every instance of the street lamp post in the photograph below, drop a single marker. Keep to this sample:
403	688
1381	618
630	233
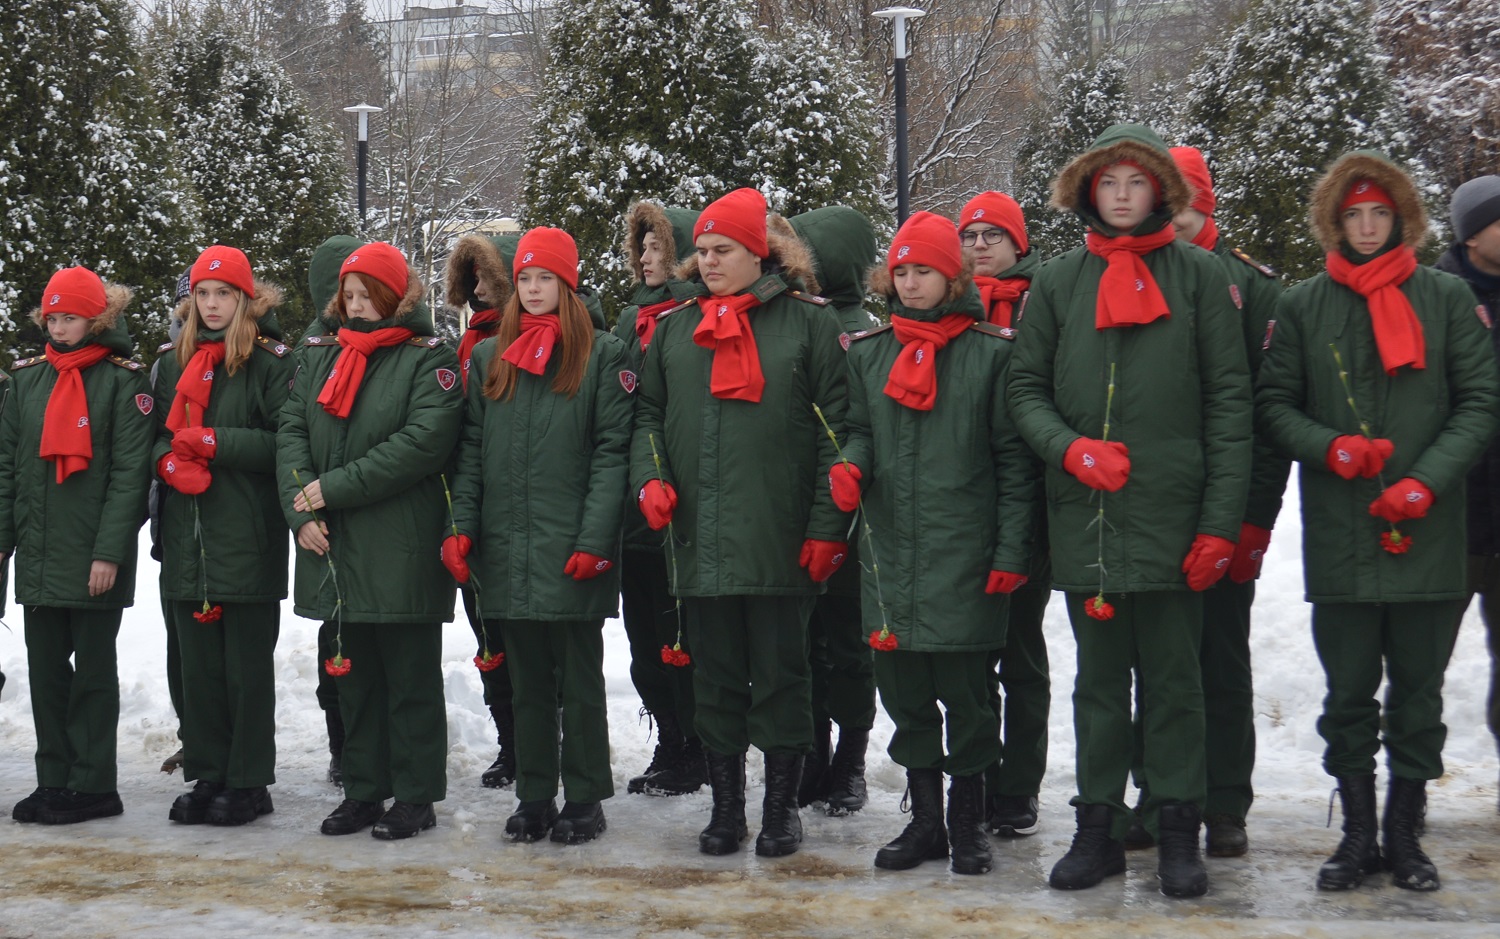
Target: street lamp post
362	153
898	17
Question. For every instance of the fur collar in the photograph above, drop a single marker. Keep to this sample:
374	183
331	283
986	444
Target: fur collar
1323	208
476	251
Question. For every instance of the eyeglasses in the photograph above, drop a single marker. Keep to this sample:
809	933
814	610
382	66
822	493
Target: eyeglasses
991	236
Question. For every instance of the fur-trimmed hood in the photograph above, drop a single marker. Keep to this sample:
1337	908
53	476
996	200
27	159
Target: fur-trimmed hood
1323	208
487	254
843	246
1137	142
411	313
881	283
786	255
267	298
109	328
672	226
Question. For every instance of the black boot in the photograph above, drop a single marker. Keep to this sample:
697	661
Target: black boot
780	825
1094	854
847	793
335	722
26	810
726	827
191	808
1358	853
1225	836
1405	803
669	744
578	822
531	820
968	845
815	778
502	772
351	816
73	807
685	775
925	838
404	820
239	806
1179	865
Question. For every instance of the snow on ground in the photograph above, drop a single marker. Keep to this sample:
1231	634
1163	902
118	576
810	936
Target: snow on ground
141	875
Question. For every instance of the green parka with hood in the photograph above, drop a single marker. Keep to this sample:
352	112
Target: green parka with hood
1181	400
494	256
950	492
57	530
323	283
386	511
1440	418
244	530
751	478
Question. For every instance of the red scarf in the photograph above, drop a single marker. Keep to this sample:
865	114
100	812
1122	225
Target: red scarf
481	327
999	297
913	377
195	384
1128	295
66	438
1398	332
1208	236
533	348
725	328
645	320
342	385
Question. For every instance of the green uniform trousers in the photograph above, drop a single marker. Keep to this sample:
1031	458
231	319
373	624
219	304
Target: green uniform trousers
912	684
552	664
1413	642
74	704
174	664
1484	579
651	621
753	685
1155	636
496	681
328	690
395	719
1022	669
843	674
229	693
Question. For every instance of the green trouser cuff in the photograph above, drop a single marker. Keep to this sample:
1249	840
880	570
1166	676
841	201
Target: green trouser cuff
552	664
395	719
229	693
174	665
912	684
75	696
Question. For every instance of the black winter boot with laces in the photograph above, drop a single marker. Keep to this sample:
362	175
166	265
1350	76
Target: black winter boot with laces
726	827
1410	868
1358	852
781	826
925	838
1093	856
968	845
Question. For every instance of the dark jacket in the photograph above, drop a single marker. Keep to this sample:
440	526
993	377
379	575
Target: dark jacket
1484	478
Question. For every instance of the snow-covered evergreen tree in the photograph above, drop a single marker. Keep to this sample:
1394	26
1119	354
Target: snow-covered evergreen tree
1088	101
85	170
1296	85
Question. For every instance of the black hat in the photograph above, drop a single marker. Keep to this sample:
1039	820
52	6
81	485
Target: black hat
1475	206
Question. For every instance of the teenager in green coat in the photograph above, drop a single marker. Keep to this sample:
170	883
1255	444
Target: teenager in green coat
219	397
1380	381
371	423
1130	383
75	439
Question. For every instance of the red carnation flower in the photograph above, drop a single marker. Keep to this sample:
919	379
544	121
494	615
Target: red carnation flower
488	662
883	640
673	655
338	665
1395	542
209	614
1099	608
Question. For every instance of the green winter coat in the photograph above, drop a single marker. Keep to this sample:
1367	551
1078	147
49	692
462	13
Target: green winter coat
540	476
949	493
751	479
56	531
1440	418
386	512
1181	403
244	530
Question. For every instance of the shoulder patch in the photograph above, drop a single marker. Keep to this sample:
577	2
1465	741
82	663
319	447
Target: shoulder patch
145	403
678	308
431	342
808	297
1270	328
1234	294
273	346
870	332
320	340
999	332
1483	313
628	381
164	347
23	363
446	378
1263	268
123	362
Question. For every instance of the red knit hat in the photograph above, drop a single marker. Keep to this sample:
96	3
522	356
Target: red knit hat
551	249
1094	183
75	290
221	262
999	210
929	240
1190	162
379	260
1366	190
741	215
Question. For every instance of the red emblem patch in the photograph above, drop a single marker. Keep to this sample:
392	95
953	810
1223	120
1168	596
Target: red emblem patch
447	378
145	403
1270	328
627	381
844	341
1484	316
1234	294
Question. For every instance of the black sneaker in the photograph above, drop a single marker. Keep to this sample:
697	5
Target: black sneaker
1012	816
404	820
238	806
578	822
26	810
352	816
73	807
191	808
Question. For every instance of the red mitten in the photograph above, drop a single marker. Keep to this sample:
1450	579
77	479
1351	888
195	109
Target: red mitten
844	479
189	477
822	558
585	566
1207	561
195	443
1406	499
1004	582
1097	464
657	501
1353	455
455	551
1249	551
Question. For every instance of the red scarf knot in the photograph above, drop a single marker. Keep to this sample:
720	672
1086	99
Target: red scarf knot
1398	332
1128	294
342	385
1208	236
725	329
481	327
195	384
66	438
645	320
913	377
532	349
999	297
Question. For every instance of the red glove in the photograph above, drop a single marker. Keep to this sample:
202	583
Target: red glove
822	558
1249	552
1406	499
195	443
189	477
1004	582
1354	455
844	479
657	501
1097	464
455	550
585	566
1207	560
